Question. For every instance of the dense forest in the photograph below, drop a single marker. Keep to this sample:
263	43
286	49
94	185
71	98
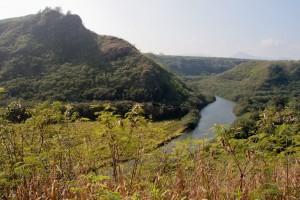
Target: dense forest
86	116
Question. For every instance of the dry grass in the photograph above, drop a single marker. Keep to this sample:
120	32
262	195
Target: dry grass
203	177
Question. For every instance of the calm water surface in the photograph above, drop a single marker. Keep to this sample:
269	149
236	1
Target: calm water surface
218	112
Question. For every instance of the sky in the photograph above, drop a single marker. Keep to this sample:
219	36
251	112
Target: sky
221	28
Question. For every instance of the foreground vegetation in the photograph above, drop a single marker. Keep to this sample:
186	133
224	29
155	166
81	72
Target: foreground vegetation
49	140
49	156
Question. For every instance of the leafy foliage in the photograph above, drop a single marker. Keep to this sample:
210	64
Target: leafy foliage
54	152
49	155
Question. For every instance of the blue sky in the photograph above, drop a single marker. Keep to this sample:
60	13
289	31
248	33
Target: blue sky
264	28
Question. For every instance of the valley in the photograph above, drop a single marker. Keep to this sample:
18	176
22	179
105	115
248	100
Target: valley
76	106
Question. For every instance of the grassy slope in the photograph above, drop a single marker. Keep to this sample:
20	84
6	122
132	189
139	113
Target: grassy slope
253	78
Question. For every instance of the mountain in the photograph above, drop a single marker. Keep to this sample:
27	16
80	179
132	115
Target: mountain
257	77
195	66
243	55
52	56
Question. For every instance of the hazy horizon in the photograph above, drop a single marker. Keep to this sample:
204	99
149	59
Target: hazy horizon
263	29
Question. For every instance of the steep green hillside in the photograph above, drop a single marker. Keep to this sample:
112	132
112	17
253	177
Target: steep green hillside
52	56
256	78
196	66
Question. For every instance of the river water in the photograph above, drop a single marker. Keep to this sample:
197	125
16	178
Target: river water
218	112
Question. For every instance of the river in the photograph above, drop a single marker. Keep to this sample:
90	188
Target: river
218	112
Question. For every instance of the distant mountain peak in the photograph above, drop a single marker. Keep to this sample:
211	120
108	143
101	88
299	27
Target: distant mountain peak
243	55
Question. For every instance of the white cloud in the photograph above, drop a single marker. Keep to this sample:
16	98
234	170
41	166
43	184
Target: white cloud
270	42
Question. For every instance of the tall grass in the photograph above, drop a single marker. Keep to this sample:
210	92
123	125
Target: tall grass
169	177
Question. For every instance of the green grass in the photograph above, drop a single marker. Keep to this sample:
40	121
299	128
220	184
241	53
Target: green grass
250	78
160	132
